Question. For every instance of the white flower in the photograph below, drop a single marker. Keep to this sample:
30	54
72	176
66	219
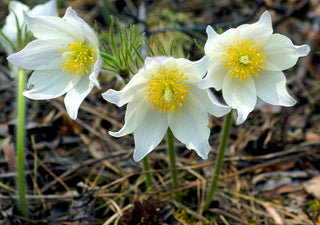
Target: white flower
165	93
15	22
247	62
65	59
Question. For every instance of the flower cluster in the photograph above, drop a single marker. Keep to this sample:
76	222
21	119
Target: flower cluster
166	93
14	31
247	61
14	35
65	58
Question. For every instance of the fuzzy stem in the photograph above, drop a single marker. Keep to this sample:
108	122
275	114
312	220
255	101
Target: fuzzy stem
106	8
146	167
219	161
20	144
173	166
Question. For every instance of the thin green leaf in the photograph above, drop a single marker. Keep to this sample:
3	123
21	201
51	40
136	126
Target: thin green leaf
99	37
161	48
171	48
149	48
19	37
103	44
138	54
111	40
109	58
120	33
198	45
7	39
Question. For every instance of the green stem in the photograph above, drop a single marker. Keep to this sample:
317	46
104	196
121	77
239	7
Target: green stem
219	161
20	144
146	167
106	9
173	166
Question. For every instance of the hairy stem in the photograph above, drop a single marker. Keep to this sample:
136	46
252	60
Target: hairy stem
20	144
173	166
146	167
222	148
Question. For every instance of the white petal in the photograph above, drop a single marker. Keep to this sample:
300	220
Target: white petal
127	93
270	66
265	20
71	14
38	54
76	95
149	134
8	48
281	52
46	27
96	70
112	96
154	66
211	33
48	84
135	84
215	44
14	71
149	61
135	114
10	28
215	76
240	95
72	18
271	88
190	126
47	9
17	7
260	31
217	47
212	105
194	70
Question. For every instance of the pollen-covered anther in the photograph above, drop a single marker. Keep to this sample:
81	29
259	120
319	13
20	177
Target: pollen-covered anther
167	90
244	60
78	58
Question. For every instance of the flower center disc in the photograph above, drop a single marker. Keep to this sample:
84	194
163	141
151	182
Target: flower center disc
78	58
167	91
244	60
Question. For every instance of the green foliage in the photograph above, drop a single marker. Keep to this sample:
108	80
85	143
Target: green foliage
121	51
160	49
315	206
185	218
164	17
23	37
219	30
6	44
199	46
252	221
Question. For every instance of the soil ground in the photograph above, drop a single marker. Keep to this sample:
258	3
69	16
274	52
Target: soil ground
76	173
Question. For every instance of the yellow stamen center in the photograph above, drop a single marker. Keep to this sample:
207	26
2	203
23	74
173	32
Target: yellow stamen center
79	58
244	60
167	90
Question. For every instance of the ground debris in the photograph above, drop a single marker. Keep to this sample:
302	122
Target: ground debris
76	173
149	212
